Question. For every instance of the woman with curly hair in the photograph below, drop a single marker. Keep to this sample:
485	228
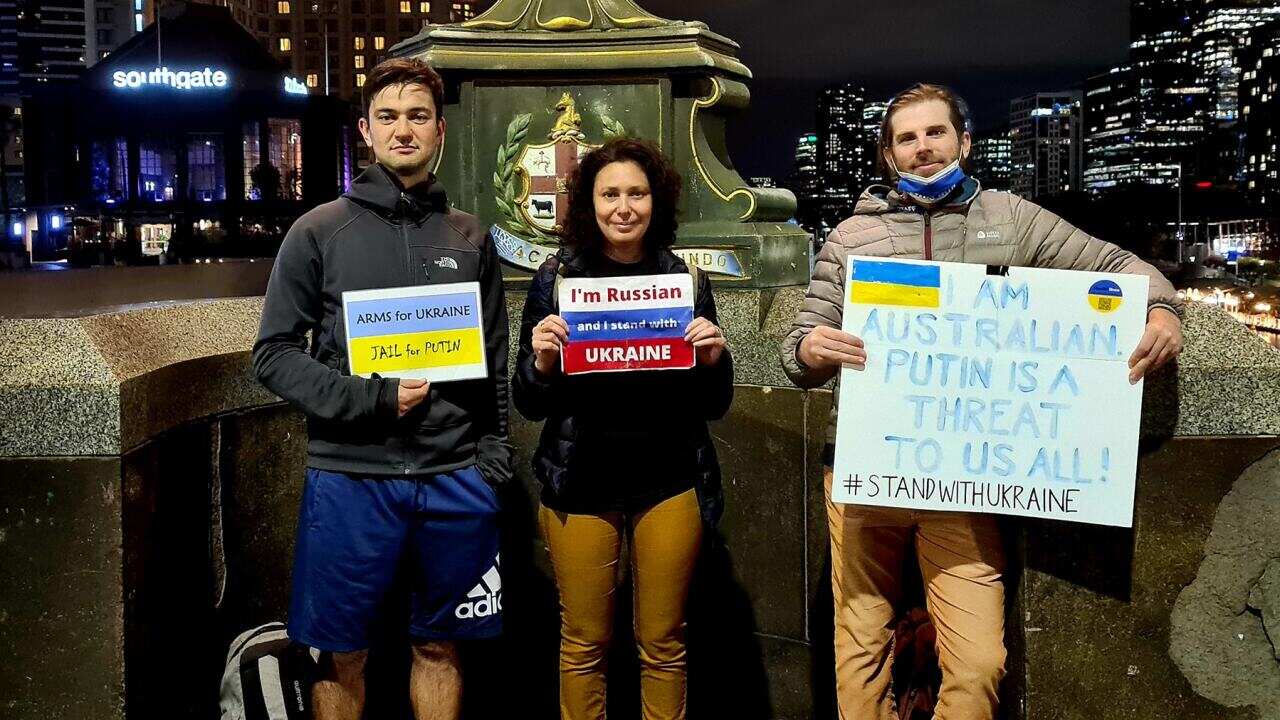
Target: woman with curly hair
622	454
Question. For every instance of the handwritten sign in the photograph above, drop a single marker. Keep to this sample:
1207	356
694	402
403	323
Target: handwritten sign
428	332
627	323
988	392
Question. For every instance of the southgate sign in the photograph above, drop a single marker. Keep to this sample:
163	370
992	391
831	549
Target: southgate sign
208	78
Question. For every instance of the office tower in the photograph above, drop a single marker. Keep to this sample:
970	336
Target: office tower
872	118
846	150
1260	118
1045	130
803	180
50	43
1222	31
991	160
332	44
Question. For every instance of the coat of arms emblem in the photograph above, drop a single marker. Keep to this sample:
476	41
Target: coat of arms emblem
529	181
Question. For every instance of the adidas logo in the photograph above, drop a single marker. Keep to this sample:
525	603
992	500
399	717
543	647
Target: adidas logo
485	598
447	262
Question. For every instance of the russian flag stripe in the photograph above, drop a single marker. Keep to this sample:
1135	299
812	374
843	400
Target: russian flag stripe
651	323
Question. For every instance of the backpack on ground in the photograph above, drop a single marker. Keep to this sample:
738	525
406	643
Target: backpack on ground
267	677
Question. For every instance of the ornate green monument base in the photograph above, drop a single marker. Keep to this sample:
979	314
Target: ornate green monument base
533	84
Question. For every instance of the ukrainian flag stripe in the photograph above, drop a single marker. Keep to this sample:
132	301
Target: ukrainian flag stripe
929	276
882	293
415	351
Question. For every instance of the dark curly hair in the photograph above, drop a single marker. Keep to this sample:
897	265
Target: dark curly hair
580	229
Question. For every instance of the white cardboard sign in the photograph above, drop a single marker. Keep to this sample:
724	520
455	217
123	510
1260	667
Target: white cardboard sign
988	392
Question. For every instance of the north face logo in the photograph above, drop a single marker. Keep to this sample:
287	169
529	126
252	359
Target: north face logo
447	262
486	596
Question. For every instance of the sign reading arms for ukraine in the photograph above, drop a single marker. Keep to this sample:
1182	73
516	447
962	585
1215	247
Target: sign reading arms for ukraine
428	332
627	323
988	390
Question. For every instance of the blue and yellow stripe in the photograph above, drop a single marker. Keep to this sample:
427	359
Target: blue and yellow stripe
895	283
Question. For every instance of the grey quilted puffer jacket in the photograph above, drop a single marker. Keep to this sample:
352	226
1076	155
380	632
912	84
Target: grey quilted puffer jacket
983	227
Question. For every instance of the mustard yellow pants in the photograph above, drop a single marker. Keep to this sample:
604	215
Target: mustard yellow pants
962	563
585	553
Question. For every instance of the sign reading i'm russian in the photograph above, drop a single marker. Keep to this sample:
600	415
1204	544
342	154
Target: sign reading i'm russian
627	323
428	332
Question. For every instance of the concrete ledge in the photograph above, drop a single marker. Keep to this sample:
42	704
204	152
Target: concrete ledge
101	384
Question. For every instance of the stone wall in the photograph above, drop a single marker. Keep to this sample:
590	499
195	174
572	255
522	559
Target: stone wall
150	491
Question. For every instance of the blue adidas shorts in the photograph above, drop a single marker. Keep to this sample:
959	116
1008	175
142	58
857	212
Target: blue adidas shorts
352	534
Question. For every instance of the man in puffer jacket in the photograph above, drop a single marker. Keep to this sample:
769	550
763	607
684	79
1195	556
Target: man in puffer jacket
934	213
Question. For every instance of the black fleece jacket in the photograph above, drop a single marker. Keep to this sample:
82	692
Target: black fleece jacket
380	235
621	441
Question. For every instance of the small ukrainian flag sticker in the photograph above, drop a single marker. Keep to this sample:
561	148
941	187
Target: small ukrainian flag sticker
895	283
1105	296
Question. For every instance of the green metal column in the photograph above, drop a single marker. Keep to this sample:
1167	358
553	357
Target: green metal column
533	84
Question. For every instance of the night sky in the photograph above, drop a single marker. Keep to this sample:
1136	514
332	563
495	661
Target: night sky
989	50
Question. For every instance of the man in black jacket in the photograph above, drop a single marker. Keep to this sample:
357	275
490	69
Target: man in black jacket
393	466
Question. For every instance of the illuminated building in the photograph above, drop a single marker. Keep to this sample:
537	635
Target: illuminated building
1260	119
991	160
8	49
1046	150
804	182
1146	119
330	44
1216	38
214	148
872	118
846	151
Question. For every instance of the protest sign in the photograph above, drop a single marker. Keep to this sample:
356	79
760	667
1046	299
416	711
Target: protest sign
997	390
626	323
427	332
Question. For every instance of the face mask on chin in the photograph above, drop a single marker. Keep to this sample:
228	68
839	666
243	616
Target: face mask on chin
931	190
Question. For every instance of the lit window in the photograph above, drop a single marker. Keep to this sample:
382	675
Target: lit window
406	6
359	42
359	79
379	42
284	152
282	7
359	61
313	80
205	168
254	178
286	44
137	22
424	7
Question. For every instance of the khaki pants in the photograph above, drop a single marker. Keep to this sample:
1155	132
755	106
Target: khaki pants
584	553
961	561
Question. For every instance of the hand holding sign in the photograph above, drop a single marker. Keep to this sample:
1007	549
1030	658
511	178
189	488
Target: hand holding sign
1161	342
411	394
826	348
707	340
548	336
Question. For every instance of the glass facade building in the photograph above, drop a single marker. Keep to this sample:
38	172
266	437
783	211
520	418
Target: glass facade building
209	150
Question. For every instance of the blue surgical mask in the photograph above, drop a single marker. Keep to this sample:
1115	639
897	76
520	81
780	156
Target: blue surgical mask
928	191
